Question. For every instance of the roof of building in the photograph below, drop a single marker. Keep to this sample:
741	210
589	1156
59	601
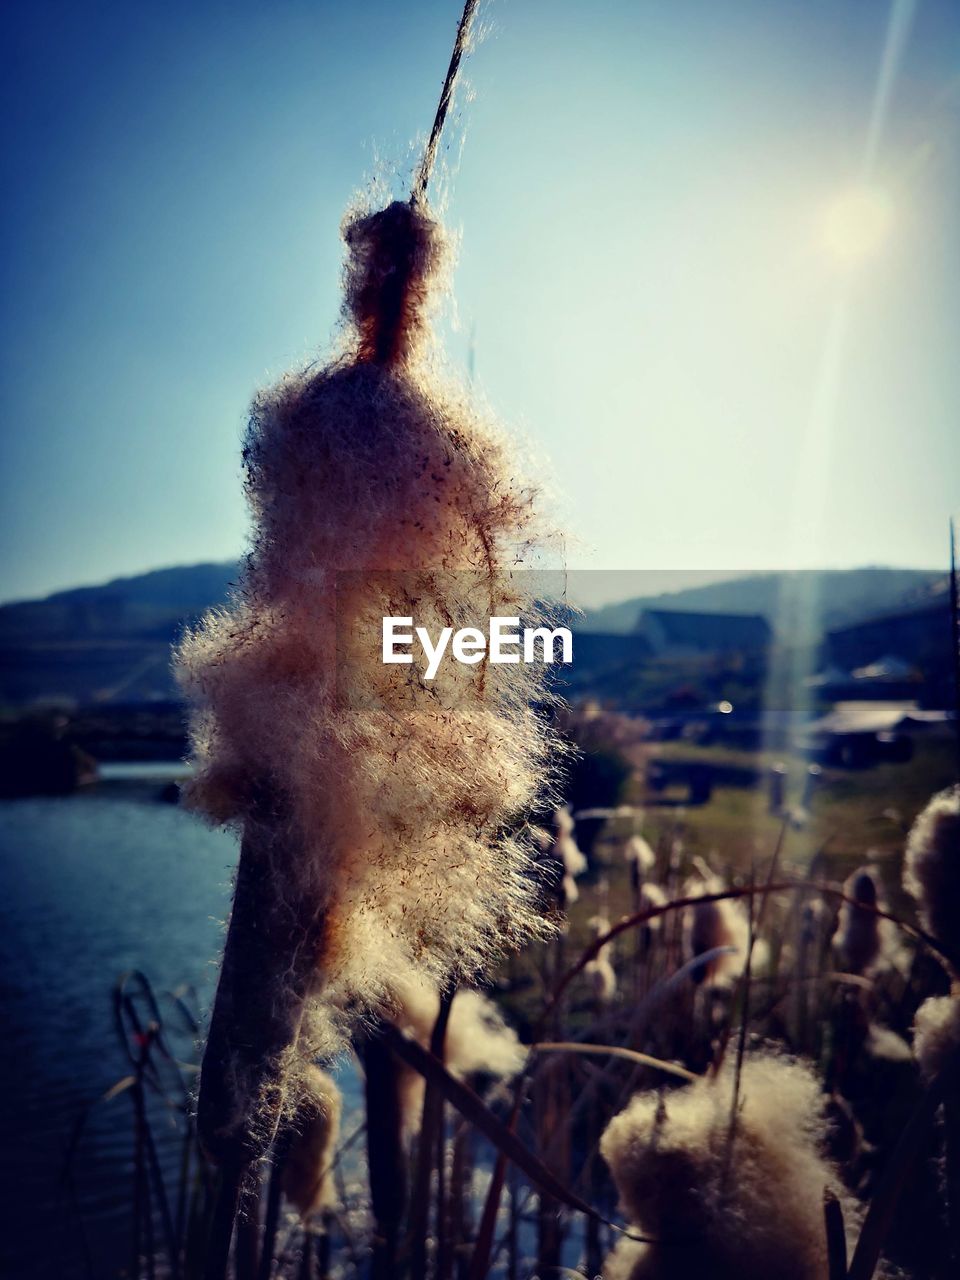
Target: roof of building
933	606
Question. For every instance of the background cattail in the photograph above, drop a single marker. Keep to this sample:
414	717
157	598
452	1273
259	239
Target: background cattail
562	849
724	923
307	1172
863	940
478	1040
936	1038
565	845
750	1209
600	971
639	856
931	869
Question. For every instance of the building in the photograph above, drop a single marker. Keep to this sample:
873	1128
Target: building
908	654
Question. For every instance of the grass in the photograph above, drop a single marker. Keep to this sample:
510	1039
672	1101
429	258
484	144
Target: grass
854	814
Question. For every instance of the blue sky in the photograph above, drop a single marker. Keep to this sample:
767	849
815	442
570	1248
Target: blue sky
647	196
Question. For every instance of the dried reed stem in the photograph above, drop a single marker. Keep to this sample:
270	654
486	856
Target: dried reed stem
221	1225
259	1006
385	1154
431	1134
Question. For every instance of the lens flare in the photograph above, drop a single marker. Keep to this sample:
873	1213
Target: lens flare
857	224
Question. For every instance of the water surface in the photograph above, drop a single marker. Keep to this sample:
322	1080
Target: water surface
91	886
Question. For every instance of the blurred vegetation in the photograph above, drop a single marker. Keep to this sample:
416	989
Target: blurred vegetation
542	1129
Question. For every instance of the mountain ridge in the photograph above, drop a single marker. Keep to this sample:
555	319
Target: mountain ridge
101	643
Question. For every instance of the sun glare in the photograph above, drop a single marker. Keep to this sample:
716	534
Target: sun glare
857	224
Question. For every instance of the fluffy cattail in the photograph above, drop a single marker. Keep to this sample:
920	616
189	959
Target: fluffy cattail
562	848
864	941
936	1044
599	971
931	871
478	1041
747	1212
379	810
932	876
569	892
885	1045
711	925
648	896
651	896
936	1038
565	846
639	856
477	1038
307	1173
563	821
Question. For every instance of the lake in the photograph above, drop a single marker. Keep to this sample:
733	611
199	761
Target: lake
91	886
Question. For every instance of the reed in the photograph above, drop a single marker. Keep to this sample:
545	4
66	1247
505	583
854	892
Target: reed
718	1175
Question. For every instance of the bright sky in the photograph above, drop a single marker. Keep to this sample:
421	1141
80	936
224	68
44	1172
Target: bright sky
710	259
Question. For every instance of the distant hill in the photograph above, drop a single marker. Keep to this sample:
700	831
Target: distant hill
150	604
108	643
111	643
800	605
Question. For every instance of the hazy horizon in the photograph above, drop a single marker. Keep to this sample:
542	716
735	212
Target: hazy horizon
595	587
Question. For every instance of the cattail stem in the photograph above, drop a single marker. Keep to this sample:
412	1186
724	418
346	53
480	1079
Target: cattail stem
836	1236
246	1252
138	1182
268	963
446	95
513	1233
307	1257
593	1243
458	1213
548	1119
745	982
143	1208
323	1249
892	1182
431	1125
224	1217
183	1178
274	1197
443	1237
385	1154
148	1170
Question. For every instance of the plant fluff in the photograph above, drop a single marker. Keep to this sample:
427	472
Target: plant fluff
308	1170
381	813
753	1209
932	867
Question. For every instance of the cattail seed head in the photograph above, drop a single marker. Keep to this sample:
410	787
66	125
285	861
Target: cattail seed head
307	1172
600	971
393	274
936	1039
723	923
637	852
396	807
652	896
864	940
743	1213
931	871
478	1042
